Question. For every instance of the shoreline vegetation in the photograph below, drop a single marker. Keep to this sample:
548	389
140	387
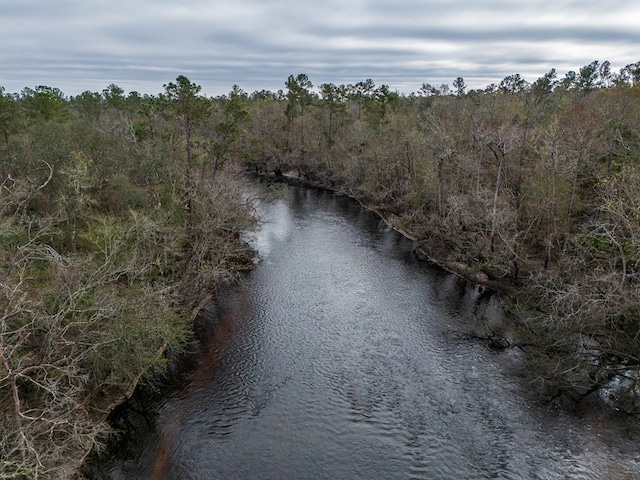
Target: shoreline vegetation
122	215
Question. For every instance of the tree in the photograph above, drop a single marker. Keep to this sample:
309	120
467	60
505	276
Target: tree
587	80
114	96
75	199
377	105
544	85
89	104
630	74
333	102
459	86
299	97
229	129
359	92
570	81
45	102
604	71
513	84
9	118
428	90
183	102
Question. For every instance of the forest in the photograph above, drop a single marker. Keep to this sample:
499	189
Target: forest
122	214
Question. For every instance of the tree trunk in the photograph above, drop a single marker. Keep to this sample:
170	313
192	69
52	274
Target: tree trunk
499	154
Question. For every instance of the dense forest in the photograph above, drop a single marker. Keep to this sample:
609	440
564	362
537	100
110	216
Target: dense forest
115	232
122	214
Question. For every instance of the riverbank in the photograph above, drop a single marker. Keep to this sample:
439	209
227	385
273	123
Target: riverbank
431	252
131	420
97	302
212	256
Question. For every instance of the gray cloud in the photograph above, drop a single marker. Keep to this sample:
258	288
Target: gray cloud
86	45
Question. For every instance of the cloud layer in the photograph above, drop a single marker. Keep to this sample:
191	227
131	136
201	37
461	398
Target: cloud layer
87	45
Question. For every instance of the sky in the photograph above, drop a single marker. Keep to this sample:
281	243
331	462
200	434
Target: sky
140	45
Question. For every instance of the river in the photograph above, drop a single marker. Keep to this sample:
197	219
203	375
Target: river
340	357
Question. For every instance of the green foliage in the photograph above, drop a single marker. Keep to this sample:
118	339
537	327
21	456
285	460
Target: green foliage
229	129
513	84
88	104
77	334
182	100
299	94
10	120
183	103
45	102
379	103
114	96
102	267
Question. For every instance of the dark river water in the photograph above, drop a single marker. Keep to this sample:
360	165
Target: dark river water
339	357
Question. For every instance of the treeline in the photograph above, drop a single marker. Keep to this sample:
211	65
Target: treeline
115	229
120	213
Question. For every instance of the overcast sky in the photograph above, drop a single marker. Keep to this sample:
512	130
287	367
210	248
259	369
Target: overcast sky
79	45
